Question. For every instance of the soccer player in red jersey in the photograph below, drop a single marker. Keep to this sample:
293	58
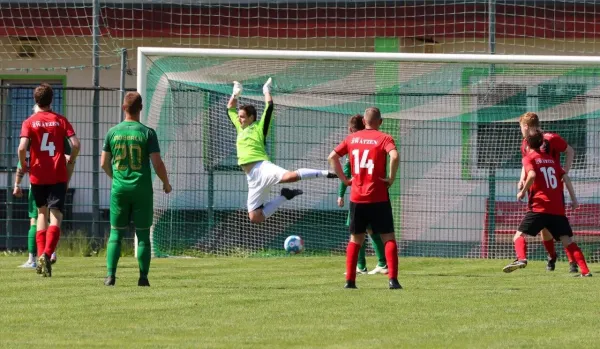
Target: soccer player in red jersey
43	133
369	198
553	145
544	182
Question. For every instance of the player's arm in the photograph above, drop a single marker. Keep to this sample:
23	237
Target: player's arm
106	163
530	173
334	162
157	162
75	146
521	178
18	178
567	180
232	106
22	151
569	157
265	119
342	187
390	147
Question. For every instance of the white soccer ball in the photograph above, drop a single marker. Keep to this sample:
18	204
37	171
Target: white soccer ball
293	244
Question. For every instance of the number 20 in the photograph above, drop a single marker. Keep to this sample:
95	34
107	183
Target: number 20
135	157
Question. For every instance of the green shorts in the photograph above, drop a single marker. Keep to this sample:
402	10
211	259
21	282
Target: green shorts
125	206
31	206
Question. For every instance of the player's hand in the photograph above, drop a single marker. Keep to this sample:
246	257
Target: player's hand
388	181
340	202
237	89
167	188
267	86
17	191
520	195
574	205
521	184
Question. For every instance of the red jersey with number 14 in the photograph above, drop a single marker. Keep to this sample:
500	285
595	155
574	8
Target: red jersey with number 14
546	193
367	152
46	131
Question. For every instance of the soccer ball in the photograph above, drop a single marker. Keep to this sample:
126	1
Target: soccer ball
293	244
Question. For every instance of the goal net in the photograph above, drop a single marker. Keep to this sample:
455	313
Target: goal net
454	119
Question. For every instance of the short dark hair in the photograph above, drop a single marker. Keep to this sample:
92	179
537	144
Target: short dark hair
535	140
372	114
132	103
43	95
356	123
250	110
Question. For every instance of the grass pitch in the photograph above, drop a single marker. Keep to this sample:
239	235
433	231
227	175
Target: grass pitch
297	302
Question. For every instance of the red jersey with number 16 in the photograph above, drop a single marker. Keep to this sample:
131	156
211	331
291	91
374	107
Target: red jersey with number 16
46	131
546	193
367	151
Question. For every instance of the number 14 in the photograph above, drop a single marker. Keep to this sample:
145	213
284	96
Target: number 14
364	162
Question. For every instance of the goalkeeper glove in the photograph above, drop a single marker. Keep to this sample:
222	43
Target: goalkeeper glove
267	86
237	89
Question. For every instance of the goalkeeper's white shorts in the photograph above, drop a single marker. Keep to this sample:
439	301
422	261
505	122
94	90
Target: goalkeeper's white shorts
261	178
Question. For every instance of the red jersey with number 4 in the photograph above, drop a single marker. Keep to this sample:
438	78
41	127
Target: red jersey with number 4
553	145
46	131
367	151
546	193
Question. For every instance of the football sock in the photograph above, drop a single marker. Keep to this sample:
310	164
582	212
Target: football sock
351	260
362	260
308	173
40	239
144	251
549	246
53	234
569	255
31	247
579	258
379	249
113	252
521	248
272	206
391	255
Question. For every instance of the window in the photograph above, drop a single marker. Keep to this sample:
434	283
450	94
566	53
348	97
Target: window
16	103
498	143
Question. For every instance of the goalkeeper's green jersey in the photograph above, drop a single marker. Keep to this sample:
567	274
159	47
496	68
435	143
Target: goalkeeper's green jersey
131	143
251	140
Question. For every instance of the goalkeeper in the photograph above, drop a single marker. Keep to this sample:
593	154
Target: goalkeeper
262	174
128	149
356	123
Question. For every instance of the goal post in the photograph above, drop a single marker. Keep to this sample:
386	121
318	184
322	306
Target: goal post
455	122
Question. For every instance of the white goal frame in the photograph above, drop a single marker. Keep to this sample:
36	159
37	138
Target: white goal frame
143	52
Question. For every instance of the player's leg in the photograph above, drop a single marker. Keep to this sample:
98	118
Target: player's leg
560	228
379	249
260	181
361	265
40	196
31	242
358	229
382	222
143	212
120	213
56	200
531	225
548	242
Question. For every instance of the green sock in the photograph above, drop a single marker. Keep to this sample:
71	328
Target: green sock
144	251
31	244
113	251
362	261
379	250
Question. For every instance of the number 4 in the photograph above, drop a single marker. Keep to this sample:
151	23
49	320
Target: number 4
364	163
47	146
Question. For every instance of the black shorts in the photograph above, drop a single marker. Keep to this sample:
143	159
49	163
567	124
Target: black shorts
51	195
378	215
534	222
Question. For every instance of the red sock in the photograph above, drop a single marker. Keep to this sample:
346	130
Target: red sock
569	255
549	245
40	239
579	258
351	260
52	240
521	248
391	257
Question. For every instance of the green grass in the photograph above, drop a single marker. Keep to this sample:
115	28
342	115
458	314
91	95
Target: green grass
297	302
